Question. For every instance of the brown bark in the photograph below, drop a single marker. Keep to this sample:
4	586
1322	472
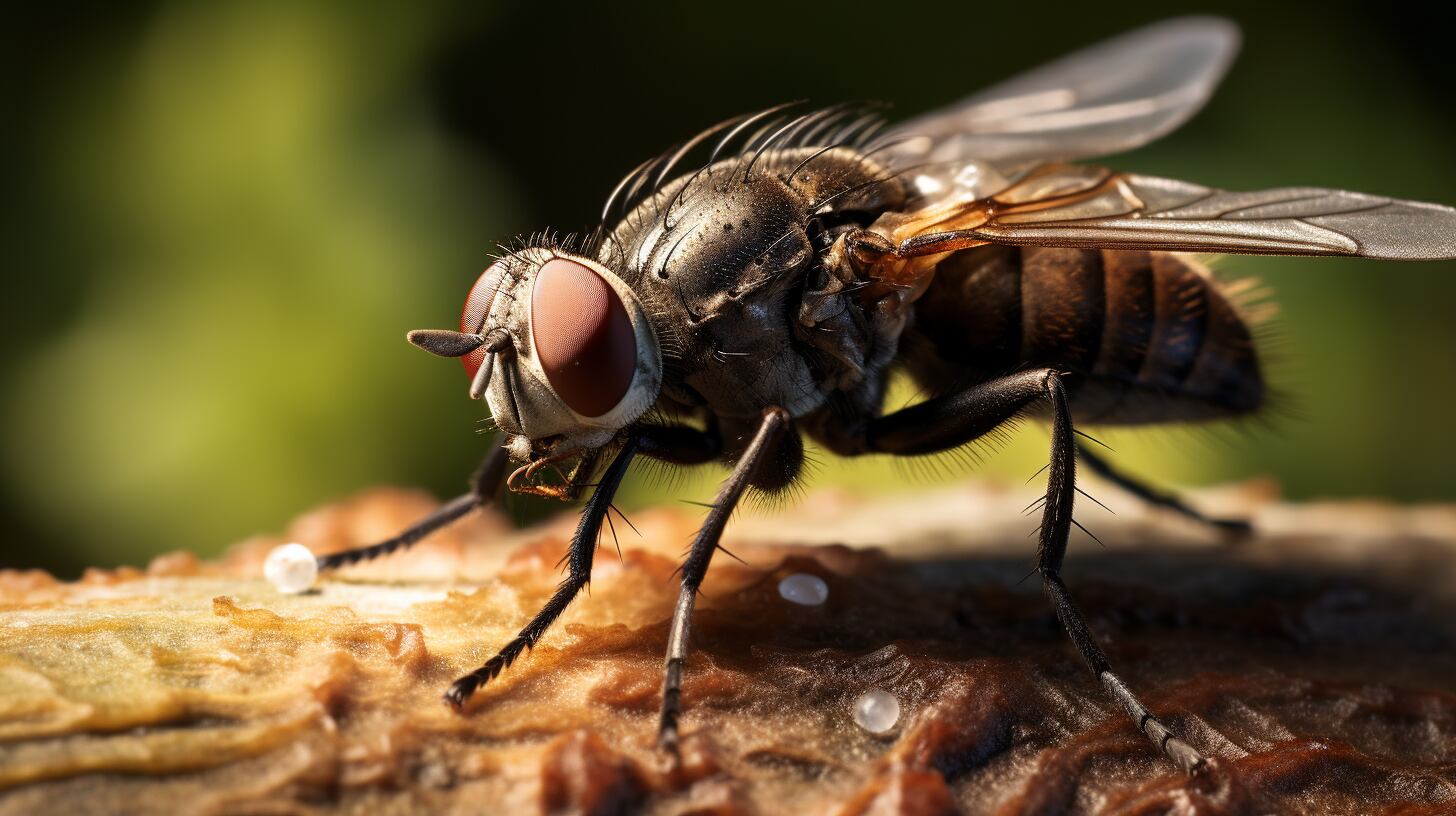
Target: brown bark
1314	661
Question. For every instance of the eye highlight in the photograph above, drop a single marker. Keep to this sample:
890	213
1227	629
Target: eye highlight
477	306
584	339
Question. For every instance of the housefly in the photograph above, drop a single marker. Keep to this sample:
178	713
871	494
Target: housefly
763	281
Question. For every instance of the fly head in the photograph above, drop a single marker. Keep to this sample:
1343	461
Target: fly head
560	349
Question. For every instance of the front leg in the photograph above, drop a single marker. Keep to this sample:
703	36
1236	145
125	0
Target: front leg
955	419
579	565
670	443
484	486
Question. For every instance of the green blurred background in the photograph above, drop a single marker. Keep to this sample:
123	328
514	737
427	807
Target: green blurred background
224	216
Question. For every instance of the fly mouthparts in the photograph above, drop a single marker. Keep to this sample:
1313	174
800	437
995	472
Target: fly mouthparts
482	377
445	343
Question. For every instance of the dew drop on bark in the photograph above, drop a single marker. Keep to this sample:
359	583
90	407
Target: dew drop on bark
876	711
805	589
291	568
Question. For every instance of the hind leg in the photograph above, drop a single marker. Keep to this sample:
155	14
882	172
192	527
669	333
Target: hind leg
1155	497
955	419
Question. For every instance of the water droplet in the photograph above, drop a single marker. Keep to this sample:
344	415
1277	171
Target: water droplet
291	568
876	711
803	588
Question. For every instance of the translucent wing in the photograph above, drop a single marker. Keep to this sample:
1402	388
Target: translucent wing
1108	98
1078	206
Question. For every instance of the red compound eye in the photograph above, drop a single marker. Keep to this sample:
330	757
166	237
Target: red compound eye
477	307
583	336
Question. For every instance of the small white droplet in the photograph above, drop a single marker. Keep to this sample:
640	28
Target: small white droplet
291	568
803	588
876	711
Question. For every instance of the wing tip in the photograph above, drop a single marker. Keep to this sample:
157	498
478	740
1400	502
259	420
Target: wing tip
1209	25
1220	34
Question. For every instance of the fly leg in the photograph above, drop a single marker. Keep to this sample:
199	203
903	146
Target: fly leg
670	443
679	444
771	428
579	565
954	419
484	486
1155	497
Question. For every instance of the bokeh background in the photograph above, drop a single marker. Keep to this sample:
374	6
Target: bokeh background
222	218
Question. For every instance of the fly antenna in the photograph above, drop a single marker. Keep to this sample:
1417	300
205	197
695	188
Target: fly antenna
445	343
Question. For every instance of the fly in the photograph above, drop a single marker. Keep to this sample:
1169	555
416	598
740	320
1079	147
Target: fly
769	291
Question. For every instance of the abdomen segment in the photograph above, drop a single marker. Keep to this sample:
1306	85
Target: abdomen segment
1149	336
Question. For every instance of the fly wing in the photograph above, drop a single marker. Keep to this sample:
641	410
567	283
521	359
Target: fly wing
1110	97
1078	206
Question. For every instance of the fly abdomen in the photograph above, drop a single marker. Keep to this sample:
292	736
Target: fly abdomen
1150	334
1063	306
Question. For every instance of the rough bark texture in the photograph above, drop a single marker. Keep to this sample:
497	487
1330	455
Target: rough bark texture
1314	661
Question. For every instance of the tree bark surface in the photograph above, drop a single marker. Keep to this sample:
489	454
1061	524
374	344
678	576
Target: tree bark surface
1313	660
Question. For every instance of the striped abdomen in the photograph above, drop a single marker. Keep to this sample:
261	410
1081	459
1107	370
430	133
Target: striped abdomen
1149	335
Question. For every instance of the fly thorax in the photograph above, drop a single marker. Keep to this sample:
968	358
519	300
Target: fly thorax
720	270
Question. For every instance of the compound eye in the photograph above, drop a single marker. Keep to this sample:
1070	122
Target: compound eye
477	308
584	339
